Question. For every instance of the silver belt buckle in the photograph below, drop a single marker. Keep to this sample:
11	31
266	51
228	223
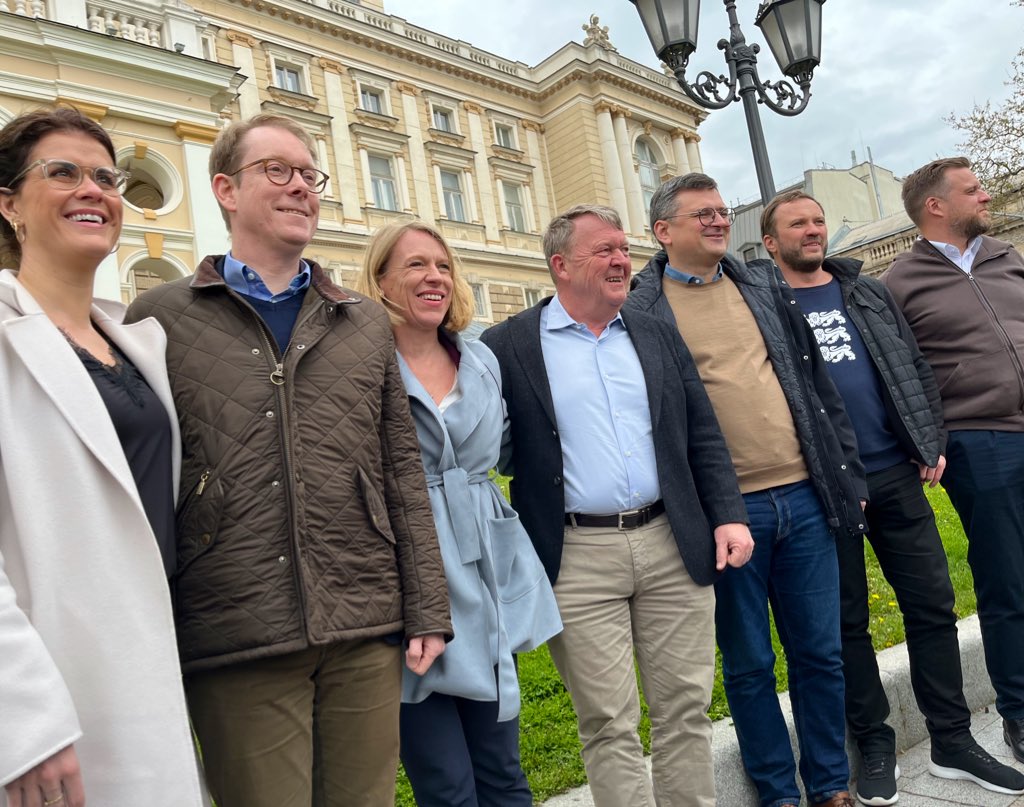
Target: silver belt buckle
627	513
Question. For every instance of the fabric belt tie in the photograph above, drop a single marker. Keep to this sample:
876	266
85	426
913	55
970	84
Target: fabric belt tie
455	483
627	520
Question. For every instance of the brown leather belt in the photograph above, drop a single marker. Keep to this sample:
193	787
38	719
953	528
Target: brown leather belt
628	520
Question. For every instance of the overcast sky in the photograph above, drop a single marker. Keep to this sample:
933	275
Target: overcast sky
891	71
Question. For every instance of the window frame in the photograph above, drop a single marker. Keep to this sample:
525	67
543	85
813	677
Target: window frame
380	181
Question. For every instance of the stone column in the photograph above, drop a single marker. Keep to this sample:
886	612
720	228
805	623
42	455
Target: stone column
679	152
210	232
634	196
540	182
241	55
424	207
692	139
321	156
488	209
343	172
610	157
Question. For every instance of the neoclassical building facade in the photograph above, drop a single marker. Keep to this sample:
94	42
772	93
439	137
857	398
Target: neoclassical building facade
407	121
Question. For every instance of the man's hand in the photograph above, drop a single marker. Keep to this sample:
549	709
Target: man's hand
422	651
54	782
931	476
733	545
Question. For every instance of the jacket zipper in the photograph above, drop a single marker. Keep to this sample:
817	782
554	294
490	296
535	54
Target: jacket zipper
1007	343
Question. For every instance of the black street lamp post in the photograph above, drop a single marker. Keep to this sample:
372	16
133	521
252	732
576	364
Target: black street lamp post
793	31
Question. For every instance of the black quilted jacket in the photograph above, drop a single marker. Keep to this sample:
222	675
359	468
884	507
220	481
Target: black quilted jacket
303	517
826	436
908	383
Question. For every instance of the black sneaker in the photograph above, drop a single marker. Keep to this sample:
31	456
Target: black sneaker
977	765
878	775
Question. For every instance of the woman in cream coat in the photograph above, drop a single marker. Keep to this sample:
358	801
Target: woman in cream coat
459	727
91	702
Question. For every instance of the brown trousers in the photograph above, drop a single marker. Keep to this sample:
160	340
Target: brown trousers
318	727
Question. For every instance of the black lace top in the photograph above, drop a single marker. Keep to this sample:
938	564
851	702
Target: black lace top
141	423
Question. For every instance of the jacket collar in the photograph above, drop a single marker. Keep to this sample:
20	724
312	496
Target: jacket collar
208	275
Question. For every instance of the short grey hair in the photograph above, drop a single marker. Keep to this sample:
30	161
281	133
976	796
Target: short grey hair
558	235
663	203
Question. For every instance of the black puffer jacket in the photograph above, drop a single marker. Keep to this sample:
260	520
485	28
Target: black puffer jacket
912	398
826	436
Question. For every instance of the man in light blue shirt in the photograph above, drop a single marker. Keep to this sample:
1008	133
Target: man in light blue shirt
629	496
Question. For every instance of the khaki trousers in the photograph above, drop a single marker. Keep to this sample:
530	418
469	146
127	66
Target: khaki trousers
626	592
318	727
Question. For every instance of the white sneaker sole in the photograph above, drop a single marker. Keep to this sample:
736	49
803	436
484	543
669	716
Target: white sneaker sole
881	801
956	773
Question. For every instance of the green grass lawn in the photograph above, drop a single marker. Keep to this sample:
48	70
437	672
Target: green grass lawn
548	741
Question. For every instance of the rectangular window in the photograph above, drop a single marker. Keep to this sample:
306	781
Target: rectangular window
370	100
514	207
451	186
531	297
504	136
750	253
287	77
479	300
382	180
444	120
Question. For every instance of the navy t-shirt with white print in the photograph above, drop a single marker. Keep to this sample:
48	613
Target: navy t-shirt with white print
853	372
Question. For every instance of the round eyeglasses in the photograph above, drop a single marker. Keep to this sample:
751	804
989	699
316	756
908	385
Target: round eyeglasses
67	175
280	173
707	215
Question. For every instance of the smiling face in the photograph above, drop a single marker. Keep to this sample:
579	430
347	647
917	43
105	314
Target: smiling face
800	238
417	279
593	277
268	218
62	226
691	246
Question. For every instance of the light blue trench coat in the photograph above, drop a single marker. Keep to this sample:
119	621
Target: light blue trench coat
501	599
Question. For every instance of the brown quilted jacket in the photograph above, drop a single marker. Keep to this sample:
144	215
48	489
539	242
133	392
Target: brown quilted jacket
303	516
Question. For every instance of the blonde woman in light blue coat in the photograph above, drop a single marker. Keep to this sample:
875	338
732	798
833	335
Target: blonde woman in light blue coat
459	724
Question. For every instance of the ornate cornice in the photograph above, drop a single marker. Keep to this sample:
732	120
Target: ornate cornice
196	132
376	120
238	38
292	99
441	136
96	112
508	154
331	65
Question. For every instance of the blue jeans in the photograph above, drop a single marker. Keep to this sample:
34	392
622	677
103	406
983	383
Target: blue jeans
985	483
793	567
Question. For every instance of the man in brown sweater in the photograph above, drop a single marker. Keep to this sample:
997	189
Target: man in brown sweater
963	294
800	476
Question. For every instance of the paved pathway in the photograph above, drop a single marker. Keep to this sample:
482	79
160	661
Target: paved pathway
917	787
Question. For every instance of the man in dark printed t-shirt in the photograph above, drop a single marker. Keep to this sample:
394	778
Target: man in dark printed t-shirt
893	402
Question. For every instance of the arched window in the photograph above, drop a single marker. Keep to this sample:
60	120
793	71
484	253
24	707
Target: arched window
650	176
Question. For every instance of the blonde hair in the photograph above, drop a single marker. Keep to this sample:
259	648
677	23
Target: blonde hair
378	253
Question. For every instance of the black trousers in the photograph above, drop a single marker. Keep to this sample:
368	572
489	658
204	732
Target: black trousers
903	533
457	754
985	482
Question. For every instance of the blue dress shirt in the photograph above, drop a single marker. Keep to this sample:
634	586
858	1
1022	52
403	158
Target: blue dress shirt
247	281
686	277
604	418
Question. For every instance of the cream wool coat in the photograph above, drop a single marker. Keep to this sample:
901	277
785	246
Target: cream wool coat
87	647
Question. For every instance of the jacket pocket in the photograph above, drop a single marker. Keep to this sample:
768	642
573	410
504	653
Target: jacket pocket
986	386
198	519
376	509
517	569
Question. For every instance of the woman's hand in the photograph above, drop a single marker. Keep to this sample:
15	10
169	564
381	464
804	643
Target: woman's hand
54	782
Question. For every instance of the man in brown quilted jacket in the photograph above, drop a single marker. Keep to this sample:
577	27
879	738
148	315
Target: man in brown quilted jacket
306	548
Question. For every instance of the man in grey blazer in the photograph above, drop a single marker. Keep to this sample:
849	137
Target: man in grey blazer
629	496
